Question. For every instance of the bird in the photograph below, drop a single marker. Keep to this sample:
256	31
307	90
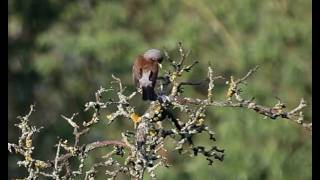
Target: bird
145	72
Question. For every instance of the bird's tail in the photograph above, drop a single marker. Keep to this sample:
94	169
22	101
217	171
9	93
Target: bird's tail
148	93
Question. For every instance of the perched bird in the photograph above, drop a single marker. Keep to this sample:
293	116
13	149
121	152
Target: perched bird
145	72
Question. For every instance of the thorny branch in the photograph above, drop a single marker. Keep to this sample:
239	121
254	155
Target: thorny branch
140	147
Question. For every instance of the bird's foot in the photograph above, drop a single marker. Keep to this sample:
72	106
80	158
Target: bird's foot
139	90
163	98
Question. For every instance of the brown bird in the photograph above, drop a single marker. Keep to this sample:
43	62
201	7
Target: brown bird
145	72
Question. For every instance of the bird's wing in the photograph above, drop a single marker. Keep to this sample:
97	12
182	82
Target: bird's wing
154	74
136	70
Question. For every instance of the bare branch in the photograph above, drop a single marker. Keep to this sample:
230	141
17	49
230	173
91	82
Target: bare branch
141	146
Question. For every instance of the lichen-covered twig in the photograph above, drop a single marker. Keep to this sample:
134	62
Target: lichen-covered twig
277	111
140	146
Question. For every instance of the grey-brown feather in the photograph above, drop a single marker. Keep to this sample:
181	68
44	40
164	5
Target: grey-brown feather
153	54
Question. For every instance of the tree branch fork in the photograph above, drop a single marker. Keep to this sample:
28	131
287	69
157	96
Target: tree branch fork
141	146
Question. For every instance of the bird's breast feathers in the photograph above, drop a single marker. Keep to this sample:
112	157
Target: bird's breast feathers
144	81
146	68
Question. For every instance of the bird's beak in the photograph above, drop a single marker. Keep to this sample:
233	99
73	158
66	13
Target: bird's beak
160	65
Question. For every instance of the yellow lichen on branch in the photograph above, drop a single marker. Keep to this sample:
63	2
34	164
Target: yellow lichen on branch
135	118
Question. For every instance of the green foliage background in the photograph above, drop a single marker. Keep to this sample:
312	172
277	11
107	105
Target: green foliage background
60	52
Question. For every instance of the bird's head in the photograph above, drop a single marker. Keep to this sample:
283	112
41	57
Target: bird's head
154	55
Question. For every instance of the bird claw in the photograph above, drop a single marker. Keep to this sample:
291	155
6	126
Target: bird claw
139	90
163	98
